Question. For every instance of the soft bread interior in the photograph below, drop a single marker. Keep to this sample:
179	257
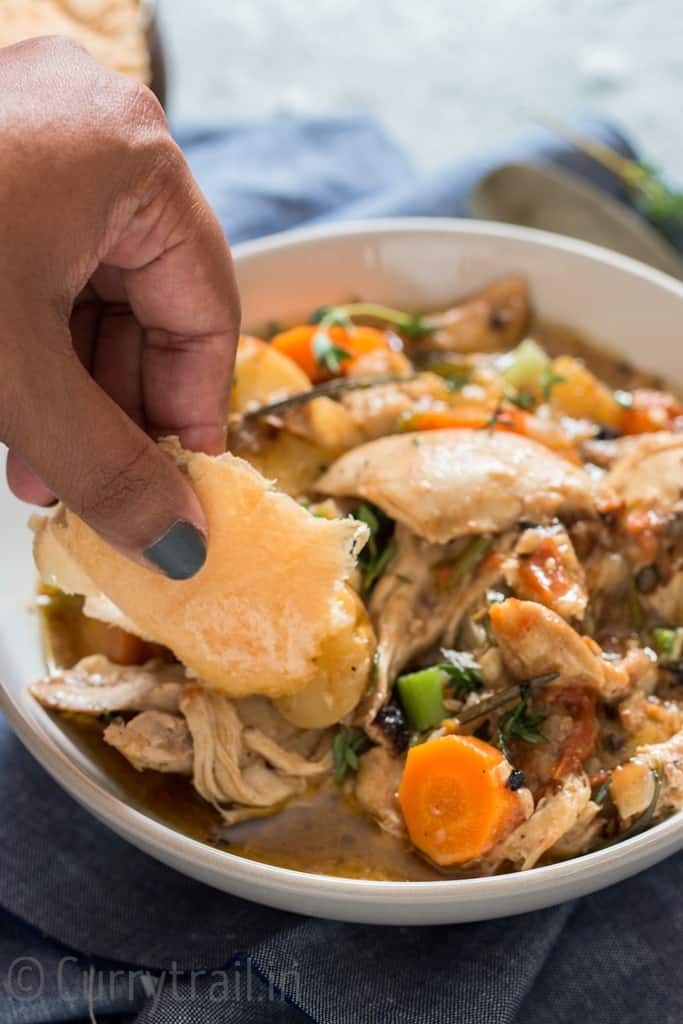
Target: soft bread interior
257	616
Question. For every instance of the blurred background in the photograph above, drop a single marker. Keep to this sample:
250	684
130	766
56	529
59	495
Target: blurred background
447	78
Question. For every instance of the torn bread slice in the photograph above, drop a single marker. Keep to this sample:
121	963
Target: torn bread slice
257	617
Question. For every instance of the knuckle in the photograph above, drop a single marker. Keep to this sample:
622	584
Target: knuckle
143	107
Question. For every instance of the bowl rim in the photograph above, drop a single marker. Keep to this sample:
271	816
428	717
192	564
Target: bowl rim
168	844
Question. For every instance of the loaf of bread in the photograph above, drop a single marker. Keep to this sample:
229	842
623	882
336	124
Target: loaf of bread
113	31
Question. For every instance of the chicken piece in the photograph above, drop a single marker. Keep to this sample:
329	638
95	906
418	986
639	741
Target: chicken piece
376	787
545	568
667	600
606	453
377	411
153	740
491	319
444	484
534	640
96	685
237	766
554	817
257	616
380	362
633	784
422	596
650	474
582	836
640	665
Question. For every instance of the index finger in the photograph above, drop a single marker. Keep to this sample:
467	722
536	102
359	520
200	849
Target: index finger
179	280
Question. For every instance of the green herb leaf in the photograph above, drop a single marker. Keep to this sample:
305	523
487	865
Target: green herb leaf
635	609
548	382
105	717
523	400
602	792
328	355
462	669
381	547
346	746
412	324
519	724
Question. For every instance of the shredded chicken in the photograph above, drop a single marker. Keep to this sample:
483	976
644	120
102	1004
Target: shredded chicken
582	835
153	740
237	766
376	786
553	818
95	685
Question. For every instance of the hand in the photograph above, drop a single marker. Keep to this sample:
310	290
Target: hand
119	311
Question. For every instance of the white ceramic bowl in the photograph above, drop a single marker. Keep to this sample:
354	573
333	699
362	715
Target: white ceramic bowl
636	311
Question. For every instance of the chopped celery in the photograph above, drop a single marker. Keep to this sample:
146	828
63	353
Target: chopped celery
421	695
668	643
523	368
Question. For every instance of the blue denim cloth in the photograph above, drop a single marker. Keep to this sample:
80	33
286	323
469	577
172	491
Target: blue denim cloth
90	926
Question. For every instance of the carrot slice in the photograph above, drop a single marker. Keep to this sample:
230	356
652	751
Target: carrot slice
454	798
478	417
651	411
347	343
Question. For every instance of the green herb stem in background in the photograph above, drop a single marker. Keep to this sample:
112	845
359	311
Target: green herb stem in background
548	382
328	355
663	206
411	324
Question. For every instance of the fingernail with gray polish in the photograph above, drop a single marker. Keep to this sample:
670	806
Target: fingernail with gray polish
179	553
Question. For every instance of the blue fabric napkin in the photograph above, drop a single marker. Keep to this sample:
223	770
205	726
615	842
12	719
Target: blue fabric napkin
90	926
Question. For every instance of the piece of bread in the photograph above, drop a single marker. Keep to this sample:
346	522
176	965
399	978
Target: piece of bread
258	616
112	31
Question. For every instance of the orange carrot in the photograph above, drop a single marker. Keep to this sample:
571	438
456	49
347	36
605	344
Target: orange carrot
543	572
347	344
478	417
454	798
651	411
116	644
582	737
459	417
